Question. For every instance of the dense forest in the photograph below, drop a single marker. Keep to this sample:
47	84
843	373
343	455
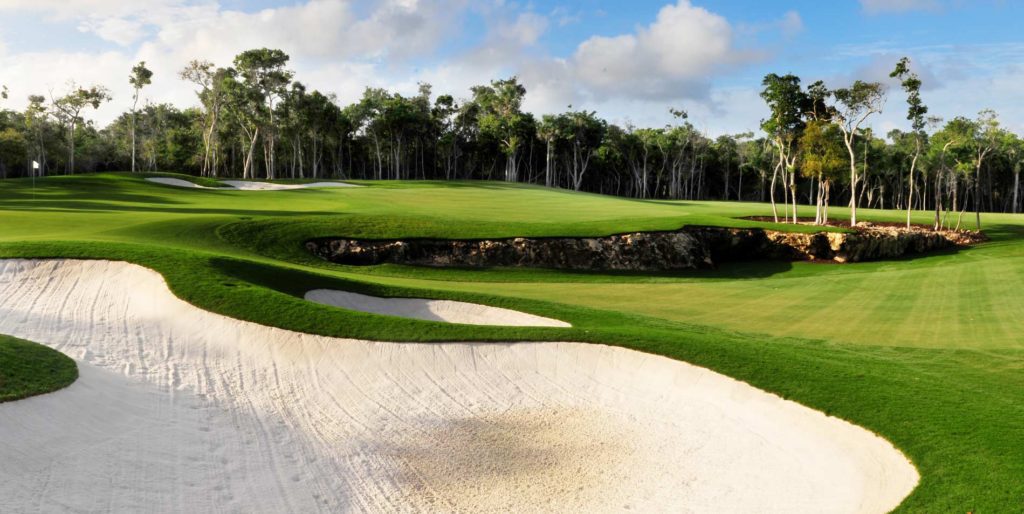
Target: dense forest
253	120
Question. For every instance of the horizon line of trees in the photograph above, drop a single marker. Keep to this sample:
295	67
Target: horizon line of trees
254	120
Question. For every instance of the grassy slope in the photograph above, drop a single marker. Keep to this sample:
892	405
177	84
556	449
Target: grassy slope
30	369
922	351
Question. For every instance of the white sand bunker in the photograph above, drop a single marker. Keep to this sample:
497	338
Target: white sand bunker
181	410
248	185
431	310
245	185
177	182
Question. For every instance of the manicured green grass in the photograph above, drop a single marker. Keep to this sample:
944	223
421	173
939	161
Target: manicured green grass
30	369
922	351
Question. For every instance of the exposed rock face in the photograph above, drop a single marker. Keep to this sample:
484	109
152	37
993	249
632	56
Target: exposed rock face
640	251
688	248
871	243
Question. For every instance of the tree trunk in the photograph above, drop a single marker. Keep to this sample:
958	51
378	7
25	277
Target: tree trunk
133	139
247	169
853	179
771	193
827	199
817	201
910	195
977	191
547	164
785	191
1016	187
71	149
739	188
792	187
977	199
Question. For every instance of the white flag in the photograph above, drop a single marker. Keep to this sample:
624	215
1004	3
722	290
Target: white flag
35	165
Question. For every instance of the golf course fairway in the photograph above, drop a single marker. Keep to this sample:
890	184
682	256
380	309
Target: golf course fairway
753	386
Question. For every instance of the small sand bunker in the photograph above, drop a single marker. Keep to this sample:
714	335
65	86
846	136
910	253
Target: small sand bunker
245	185
181	410
431	310
177	182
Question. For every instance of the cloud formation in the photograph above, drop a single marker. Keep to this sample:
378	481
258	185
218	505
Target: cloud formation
679	57
673	56
899	6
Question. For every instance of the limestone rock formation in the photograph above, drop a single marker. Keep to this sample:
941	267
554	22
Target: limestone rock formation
687	248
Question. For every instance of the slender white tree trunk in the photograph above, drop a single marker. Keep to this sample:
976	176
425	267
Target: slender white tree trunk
791	166
910	194
853	181
1016	188
71	149
247	169
133	140
771	193
135	104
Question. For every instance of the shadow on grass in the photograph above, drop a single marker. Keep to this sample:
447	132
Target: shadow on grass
63	190
446	184
729	270
1003	232
73	206
286	280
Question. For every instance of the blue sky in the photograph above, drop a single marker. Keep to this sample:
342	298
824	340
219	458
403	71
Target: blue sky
630	61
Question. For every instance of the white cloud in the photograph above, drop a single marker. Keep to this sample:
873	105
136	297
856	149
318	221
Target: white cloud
565	17
46	72
66	9
123	31
791	24
395	29
332	47
526	30
674	56
669	61
338	48
899	6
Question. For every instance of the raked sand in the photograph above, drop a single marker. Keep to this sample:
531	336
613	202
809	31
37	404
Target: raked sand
245	185
181	410
431	310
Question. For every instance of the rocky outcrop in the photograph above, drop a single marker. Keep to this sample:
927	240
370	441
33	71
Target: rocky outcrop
688	248
643	251
871	242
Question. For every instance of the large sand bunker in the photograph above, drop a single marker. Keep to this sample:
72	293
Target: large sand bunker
245	185
181	410
431	310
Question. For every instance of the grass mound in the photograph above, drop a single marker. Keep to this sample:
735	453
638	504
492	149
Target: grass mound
30	369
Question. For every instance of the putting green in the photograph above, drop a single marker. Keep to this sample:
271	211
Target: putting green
922	351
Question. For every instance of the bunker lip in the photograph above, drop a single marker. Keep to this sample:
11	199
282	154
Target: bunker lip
447	311
181	409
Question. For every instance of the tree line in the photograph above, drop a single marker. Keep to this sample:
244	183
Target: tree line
254	120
